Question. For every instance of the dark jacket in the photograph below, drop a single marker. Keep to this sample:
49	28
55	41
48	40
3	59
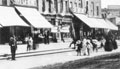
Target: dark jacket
13	43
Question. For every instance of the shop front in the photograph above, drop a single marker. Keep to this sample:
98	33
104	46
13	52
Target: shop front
91	27
11	24
37	22
61	29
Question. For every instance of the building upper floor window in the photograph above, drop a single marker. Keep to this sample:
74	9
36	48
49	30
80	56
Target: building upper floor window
75	4
92	7
61	6
71	4
3	2
81	4
86	7
97	11
56	5
75	7
43	6
49	4
66	4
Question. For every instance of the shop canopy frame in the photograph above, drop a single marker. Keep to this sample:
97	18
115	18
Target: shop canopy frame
9	17
34	17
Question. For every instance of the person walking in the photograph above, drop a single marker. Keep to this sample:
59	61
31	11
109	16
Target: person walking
89	46
46	37
108	44
29	43
84	45
13	46
62	37
79	47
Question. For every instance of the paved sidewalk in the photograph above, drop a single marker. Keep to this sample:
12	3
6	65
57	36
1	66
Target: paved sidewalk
5	49
36	61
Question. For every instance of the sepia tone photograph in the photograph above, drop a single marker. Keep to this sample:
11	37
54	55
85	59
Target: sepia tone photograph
59	34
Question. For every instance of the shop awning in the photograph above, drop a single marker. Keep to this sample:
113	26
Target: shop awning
8	17
112	26
34	17
107	23
91	22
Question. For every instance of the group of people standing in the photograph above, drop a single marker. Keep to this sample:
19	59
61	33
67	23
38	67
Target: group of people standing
85	46
88	45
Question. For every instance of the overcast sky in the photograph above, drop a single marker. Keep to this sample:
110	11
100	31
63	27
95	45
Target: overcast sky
104	3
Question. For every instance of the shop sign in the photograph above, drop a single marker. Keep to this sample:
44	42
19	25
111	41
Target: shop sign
26	2
68	20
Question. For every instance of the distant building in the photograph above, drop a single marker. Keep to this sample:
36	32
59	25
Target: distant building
113	7
112	13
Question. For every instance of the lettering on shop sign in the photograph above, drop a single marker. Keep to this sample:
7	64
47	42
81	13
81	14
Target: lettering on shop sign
26	2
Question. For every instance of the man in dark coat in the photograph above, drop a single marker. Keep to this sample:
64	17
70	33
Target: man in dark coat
46	37
13	46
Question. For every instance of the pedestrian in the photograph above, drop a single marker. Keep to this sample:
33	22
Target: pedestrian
108	44
84	45
46	37
89	46
94	43
79	47
29	43
62	37
13	46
